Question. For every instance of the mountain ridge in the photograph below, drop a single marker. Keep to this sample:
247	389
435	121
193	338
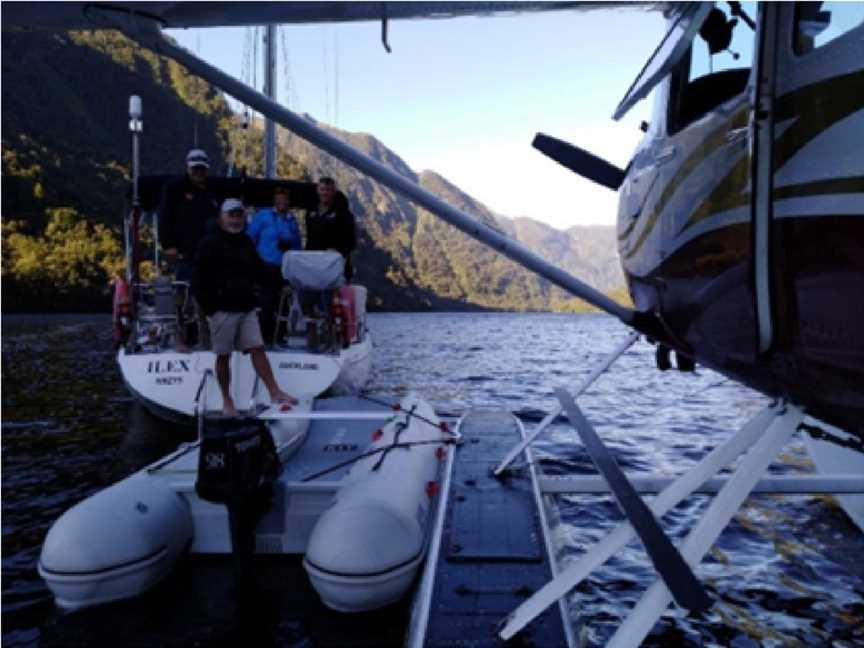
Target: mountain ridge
68	158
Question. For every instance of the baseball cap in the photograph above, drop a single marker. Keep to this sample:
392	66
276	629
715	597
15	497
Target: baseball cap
230	205
197	158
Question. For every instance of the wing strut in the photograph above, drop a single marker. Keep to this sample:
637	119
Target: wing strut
678	576
593	376
766	433
146	32
637	626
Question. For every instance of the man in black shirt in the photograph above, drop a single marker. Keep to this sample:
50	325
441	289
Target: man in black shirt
331	225
185	208
226	271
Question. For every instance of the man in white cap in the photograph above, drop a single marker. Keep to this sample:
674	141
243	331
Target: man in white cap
227	270
184	211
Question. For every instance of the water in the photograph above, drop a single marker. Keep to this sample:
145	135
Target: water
786	572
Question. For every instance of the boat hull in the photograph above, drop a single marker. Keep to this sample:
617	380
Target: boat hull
167	382
116	544
362	593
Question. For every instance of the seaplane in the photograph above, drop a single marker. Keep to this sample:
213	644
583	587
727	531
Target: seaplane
741	234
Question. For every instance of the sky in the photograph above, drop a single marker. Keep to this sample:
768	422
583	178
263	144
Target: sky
464	97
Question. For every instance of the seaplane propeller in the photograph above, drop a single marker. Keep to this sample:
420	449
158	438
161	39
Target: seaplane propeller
580	161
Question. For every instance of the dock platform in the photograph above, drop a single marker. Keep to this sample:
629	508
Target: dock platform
493	550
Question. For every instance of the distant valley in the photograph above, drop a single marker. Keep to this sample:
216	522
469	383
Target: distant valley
65	160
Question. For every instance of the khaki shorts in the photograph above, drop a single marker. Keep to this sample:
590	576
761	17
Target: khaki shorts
234	332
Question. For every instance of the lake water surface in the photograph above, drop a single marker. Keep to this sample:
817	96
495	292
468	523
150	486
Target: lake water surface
788	571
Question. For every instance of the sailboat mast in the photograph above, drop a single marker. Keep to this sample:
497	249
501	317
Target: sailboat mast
270	91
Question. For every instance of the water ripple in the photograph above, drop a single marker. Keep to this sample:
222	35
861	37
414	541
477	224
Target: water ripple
785	572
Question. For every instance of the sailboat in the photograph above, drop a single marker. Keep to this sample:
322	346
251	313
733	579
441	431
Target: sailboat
310	356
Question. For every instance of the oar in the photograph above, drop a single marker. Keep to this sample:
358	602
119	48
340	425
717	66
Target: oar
679	578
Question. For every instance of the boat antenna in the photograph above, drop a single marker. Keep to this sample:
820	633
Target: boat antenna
136	127
328	115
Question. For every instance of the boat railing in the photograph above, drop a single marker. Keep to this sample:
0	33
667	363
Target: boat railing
253	396
305	319
200	408
164	303
163	308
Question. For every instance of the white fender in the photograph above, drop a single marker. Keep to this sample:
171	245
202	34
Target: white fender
116	544
365	550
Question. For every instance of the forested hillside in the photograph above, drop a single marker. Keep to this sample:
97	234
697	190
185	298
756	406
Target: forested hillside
65	170
436	257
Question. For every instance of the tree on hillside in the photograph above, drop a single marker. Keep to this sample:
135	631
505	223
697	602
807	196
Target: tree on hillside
66	267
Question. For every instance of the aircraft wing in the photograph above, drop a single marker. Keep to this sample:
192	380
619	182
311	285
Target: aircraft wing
172	15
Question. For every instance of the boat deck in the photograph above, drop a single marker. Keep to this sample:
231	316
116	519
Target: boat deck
493	550
311	477
331	442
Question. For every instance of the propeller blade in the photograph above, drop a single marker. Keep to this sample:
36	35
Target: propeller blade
580	161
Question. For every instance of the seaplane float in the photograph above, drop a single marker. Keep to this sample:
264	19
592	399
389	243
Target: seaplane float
740	229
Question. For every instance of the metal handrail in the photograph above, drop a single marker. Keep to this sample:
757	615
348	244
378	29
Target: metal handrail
254	393
200	408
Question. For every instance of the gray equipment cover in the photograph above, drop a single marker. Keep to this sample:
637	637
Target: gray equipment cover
313	270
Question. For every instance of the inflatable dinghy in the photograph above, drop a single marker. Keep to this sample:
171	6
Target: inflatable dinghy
365	550
115	544
355	494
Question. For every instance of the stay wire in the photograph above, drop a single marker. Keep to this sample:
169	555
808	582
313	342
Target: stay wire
400	427
370	453
441	426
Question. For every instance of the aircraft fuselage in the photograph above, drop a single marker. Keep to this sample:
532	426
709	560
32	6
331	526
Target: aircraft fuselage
741	218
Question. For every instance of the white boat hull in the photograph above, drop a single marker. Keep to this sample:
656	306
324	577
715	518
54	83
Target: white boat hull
167	382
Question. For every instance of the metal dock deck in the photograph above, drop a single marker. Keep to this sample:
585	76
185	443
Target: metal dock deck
493	549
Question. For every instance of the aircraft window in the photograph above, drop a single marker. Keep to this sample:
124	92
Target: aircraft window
716	69
668	54
819	23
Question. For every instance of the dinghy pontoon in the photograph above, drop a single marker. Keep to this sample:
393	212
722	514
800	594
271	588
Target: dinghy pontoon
355	492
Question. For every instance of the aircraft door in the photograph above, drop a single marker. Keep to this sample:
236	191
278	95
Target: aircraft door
817	186
762	144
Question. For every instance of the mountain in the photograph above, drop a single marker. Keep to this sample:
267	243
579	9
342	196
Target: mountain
65	173
65	120
435	256
588	251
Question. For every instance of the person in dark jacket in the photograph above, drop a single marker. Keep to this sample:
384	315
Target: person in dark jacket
274	231
226	272
185	209
331	225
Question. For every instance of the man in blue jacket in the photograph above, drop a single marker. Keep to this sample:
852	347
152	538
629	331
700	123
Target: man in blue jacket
273	231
